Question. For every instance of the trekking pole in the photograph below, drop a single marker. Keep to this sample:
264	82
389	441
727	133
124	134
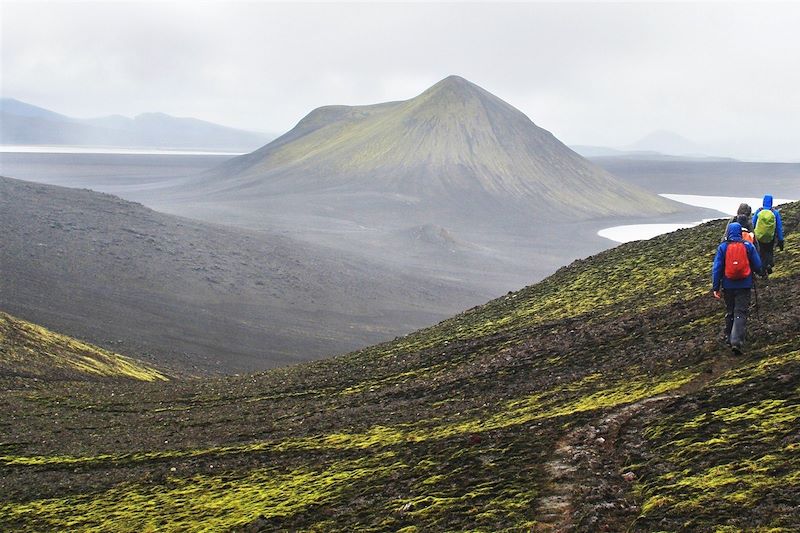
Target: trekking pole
755	293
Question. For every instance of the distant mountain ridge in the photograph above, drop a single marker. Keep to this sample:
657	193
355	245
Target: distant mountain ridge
26	124
669	143
594	152
656	146
455	141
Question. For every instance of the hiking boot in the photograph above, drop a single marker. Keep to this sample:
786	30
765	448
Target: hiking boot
737	348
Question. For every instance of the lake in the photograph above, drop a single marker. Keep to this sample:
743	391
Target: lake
64	149
726	205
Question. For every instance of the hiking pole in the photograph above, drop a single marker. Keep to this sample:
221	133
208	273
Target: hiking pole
755	293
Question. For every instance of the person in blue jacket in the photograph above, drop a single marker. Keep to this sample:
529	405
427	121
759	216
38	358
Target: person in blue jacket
735	291
767	249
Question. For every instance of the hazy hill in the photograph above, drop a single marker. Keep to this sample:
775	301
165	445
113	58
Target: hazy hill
192	294
668	143
25	124
22	123
657	145
454	143
600	399
16	108
598	154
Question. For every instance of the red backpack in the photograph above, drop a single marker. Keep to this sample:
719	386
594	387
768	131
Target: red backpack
737	264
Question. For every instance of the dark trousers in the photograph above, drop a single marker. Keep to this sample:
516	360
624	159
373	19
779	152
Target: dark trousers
766	251
737	304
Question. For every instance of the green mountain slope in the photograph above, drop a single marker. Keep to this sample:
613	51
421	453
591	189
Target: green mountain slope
454	142
600	399
31	351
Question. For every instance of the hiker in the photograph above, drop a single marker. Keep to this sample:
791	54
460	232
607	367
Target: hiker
768	229
732	274
742	216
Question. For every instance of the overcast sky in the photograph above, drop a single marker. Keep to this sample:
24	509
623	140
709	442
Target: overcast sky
724	75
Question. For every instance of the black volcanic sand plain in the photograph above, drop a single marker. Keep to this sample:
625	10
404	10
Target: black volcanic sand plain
192	295
600	399
129	176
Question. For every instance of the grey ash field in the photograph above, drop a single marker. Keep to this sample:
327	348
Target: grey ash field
600	399
192	295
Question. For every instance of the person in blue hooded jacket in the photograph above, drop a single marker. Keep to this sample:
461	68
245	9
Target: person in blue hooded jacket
735	291
766	249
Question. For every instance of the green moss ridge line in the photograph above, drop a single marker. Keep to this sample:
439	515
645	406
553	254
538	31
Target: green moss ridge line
777	356
586	394
210	503
30	350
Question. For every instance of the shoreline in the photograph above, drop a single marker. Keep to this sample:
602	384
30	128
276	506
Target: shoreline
725	205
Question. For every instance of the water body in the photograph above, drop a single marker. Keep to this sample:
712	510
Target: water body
726	205
64	149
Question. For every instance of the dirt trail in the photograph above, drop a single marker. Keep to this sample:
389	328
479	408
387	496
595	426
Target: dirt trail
584	469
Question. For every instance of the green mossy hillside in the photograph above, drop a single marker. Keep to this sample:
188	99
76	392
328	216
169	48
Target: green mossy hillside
31	351
453	143
601	399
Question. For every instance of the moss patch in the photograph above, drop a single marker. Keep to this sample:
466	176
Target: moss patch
30	350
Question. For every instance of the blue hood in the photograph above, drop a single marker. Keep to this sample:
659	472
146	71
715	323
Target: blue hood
735	232
767	201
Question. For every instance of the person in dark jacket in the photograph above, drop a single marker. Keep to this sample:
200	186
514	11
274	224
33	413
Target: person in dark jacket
742	216
766	249
736	291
